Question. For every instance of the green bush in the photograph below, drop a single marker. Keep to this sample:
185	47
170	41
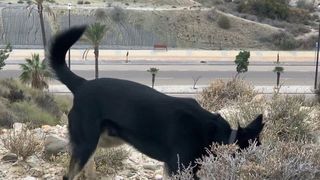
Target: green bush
47	103
7	118
284	41
64	103
273	9
224	22
28	112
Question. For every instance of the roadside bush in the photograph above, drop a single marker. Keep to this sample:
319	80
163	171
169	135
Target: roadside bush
80	2
110	160
224	22
286	120
221	93
118	14
297	15
308	43
64	103
273	9
284	41
28	112
47	103
7	118
307	5
23	143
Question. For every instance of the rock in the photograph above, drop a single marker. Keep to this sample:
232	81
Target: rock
54	145
152	167
29	178
18	127
158	177
118	178
10	157
36	172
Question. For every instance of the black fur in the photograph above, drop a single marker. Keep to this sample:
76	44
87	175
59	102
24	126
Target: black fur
158	125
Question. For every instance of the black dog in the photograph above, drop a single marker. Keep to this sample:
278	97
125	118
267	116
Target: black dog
162	127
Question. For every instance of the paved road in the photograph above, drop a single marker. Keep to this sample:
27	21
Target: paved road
181	74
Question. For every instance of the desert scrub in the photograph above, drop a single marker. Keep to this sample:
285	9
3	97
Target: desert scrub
281	160
110	160
23	143
242	113
286	120
28	112
224	22
222	93
64	103
7	118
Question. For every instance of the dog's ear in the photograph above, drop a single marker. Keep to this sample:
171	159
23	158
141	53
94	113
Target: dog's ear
250	133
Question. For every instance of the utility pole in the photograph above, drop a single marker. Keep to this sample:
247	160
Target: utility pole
317	61
69	61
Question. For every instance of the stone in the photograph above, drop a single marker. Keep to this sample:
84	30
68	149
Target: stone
158	177
29	178
36	172
118	178
18	127
54	144
10	157
152	167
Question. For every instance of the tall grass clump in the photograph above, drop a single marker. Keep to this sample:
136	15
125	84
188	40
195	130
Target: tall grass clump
28	112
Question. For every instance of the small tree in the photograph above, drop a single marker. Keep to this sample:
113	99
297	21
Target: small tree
95	34
242	61
278	69
153	72
35	72
4	54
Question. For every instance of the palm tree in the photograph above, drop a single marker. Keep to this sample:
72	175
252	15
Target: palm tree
153	72
35	72
94	34
278	69
40	9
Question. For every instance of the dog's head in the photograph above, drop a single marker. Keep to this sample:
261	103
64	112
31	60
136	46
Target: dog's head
250	133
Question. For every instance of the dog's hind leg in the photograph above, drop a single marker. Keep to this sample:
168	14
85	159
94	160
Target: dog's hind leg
83	140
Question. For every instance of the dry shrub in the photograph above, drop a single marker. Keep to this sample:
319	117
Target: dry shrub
7	118
243	113
110	160
220	94
283	160
23	143
286	120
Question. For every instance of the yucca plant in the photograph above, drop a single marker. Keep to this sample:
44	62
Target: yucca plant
35	72
153	72
278	69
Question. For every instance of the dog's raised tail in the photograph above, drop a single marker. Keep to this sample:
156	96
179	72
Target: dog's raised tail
59	46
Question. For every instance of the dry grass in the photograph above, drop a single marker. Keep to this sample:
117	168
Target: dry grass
220	94
110	160
22	142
